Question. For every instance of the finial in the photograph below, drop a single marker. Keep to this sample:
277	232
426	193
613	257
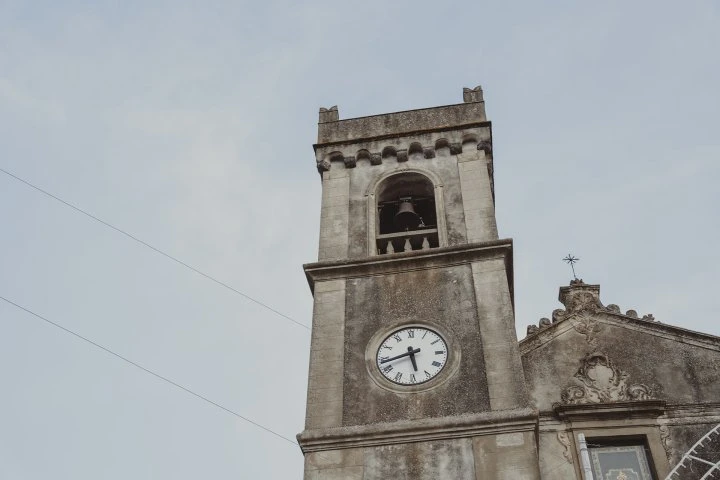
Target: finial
571	260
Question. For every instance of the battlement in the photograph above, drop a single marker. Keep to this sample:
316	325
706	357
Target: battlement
470	113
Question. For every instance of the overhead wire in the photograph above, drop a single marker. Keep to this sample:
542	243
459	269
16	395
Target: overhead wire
155	249
151	372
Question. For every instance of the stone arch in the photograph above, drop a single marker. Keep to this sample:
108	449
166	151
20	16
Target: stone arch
442	147
335	157
377	192
389	152
469	142
415	151
363	155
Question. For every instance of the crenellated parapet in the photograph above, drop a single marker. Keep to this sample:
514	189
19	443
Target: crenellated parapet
404	136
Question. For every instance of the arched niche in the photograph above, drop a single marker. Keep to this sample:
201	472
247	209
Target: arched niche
406	190
442	147
415	151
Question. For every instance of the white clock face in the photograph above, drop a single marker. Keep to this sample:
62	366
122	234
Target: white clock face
412	355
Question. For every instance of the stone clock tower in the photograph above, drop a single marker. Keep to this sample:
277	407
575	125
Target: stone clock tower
415	371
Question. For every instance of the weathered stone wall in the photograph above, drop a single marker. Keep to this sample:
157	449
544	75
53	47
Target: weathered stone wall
676	367
355	154
473	420
614	377
364	177
509	456
441	297
398	123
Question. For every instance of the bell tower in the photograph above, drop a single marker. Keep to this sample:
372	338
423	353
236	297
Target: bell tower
415	370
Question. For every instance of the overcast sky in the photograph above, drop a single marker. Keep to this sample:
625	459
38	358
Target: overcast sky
191	124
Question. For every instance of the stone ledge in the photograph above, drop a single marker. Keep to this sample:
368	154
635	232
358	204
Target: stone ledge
605	411
401	123
488	423
408	261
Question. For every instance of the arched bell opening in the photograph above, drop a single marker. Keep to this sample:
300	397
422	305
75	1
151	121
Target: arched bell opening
406	214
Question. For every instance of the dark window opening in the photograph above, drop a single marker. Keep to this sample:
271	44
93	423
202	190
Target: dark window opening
407	218
407	214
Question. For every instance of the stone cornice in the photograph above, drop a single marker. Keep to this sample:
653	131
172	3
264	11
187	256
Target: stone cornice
408	261
663	330
672	414
409	133
505	421
332	129
617	410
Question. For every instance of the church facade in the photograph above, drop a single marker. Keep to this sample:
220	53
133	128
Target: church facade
415	368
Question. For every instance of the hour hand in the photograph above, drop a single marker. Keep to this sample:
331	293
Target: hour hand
412	357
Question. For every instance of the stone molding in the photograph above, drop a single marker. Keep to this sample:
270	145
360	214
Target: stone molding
598	380
617	410
415	260
421	430
333	130
323	160
674	414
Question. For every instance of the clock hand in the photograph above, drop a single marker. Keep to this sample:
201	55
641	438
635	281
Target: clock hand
412	357
409	352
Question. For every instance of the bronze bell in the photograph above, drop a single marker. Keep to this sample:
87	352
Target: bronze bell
406	218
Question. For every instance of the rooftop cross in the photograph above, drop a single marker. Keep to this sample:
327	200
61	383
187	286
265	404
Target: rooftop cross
570	259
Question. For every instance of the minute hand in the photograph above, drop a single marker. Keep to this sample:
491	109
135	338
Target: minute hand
409	352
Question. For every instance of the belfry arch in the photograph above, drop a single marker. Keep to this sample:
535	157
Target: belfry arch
412	194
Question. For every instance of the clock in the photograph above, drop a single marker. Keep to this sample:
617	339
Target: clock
412	355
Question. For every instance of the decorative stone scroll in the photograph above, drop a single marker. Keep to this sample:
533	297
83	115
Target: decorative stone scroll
565	442
666	442
599	381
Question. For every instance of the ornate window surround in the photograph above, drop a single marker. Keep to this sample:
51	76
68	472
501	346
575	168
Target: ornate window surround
600	430
372	216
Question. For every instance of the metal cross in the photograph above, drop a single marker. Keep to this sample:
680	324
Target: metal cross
572	261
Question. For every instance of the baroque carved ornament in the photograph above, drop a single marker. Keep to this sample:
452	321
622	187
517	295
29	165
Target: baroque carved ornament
599	381
582	304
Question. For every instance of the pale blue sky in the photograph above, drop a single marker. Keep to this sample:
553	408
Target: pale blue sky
190	124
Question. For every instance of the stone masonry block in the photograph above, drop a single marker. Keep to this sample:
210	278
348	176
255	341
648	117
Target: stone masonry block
329	286
349	457
347	473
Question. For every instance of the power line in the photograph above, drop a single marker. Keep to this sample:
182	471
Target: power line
147	370
155	249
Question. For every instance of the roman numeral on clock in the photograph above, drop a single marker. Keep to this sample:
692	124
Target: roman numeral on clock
398	376
387	369
436	364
